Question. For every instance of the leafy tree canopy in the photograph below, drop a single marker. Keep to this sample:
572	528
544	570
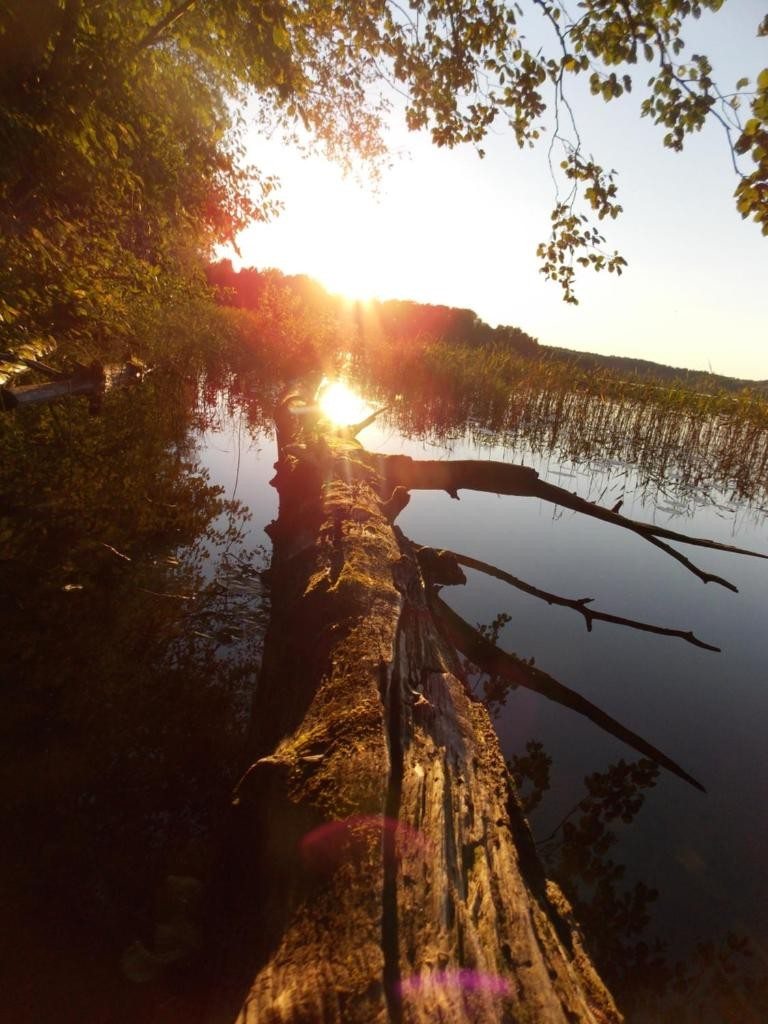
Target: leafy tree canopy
120	137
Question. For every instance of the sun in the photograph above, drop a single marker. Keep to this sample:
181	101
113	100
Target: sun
356	258
341	404
335	229
347	279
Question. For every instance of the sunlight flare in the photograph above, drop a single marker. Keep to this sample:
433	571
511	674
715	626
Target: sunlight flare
341	404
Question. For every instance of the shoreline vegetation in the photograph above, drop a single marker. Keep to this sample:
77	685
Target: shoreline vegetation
462	328
442	372
297	315
445	373
293	324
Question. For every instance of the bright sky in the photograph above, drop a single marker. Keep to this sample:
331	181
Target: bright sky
449	228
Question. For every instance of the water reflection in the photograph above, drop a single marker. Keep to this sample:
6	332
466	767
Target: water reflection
721	980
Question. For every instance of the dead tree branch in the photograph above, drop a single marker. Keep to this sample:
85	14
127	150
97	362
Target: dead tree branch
490	658
579	604
523	481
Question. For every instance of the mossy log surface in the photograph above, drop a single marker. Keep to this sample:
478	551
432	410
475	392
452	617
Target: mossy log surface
382	869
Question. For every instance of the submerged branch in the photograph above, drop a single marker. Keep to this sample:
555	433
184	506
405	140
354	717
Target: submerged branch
580	604
490	658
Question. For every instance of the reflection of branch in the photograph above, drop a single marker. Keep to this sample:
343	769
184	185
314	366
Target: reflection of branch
503	478
577	604
490	658
705	577
556	829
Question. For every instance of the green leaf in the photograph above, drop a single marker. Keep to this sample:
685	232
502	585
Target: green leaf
280	37
111	143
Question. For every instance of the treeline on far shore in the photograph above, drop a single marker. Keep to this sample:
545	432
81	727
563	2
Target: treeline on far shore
273	304
252	289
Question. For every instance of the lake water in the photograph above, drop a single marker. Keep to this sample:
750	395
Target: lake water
134	702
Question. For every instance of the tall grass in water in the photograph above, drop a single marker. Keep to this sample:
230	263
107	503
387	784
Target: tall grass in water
668	433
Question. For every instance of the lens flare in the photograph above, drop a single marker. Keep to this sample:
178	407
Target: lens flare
460	979
329	845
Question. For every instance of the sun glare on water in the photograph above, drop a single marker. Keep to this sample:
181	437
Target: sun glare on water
340	404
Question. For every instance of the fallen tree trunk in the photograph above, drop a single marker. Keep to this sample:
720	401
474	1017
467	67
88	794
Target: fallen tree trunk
91	381
380	866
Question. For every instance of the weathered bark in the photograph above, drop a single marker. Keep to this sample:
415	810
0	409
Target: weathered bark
380	865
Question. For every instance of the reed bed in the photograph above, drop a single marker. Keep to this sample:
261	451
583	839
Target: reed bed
670	434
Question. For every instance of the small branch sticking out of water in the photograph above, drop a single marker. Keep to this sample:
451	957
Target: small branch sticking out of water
354	428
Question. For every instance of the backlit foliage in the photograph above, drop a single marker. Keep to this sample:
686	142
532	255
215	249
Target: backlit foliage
121	158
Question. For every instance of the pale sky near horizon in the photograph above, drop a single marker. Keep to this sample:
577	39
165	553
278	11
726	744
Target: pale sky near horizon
449	228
